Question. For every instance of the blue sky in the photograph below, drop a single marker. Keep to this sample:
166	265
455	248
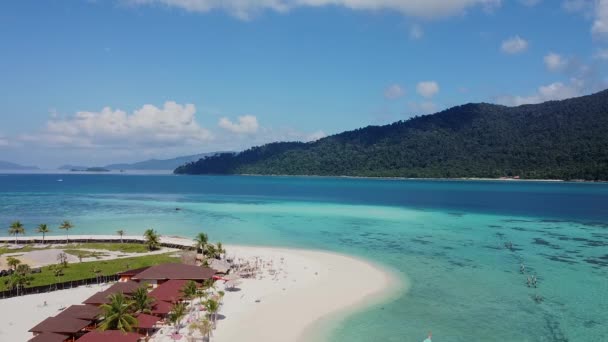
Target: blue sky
95	82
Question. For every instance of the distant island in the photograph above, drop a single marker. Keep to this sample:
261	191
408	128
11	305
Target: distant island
91	169
160	164
554	140
149	165
4	165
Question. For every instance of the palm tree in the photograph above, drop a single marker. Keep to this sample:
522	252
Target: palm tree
205	328
66	225
16	228
200	241
189	290
12	262
117	314
142	302
178	311
20	278
211	251
220	249
120	233
152	239
212	308
42	228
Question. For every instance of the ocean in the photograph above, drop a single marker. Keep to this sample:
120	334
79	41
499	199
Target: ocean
459	244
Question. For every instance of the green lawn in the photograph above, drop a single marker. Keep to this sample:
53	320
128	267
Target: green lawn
113	246
85	254
25	249
83	270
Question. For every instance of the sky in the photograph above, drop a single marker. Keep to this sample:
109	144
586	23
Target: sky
94	82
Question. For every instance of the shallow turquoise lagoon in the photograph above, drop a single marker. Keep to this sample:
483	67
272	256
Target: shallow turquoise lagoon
447	237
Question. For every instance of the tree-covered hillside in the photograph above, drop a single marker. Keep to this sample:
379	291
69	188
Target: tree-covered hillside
554	140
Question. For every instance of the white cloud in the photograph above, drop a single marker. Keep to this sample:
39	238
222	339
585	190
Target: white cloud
600	24
553	91
427	88
171	124
514	45
416	32
421	108
555	62
314	136
601	54
4	142
245	9
393	92
577	5
246	124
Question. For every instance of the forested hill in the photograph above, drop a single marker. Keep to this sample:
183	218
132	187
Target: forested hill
554	140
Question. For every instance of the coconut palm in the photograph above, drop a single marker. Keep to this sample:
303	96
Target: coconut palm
12	262
212	307
189	290
142	302
211	251
178	311
66	225
152	239
44	229
117	314
200	241
16	228
120	233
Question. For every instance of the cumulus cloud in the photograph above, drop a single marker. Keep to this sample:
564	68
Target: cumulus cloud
601	54
424	107
600	23
427	89
555	62
514	45
416	32
314	136
393	92
245	9
246	124
171	124
553	91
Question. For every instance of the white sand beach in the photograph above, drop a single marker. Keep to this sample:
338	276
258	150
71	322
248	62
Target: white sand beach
291	299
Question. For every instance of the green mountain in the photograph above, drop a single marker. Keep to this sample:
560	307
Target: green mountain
554	140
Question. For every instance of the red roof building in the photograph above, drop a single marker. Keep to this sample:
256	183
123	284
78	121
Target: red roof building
109	335
146	321
164	272
98	298
169	291
127	275
50	337
86	312
125	287
61	325
161	308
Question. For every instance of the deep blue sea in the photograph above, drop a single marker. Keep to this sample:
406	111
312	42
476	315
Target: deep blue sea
447	237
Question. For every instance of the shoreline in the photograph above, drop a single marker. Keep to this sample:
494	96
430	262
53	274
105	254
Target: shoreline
311	294
171	173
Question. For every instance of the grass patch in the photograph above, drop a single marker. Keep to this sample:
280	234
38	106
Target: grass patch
25	249
85	254
84	270
114	247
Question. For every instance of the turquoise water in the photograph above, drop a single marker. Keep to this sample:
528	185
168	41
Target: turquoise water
448	237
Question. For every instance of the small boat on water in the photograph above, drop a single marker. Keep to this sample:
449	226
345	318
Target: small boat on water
60	180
